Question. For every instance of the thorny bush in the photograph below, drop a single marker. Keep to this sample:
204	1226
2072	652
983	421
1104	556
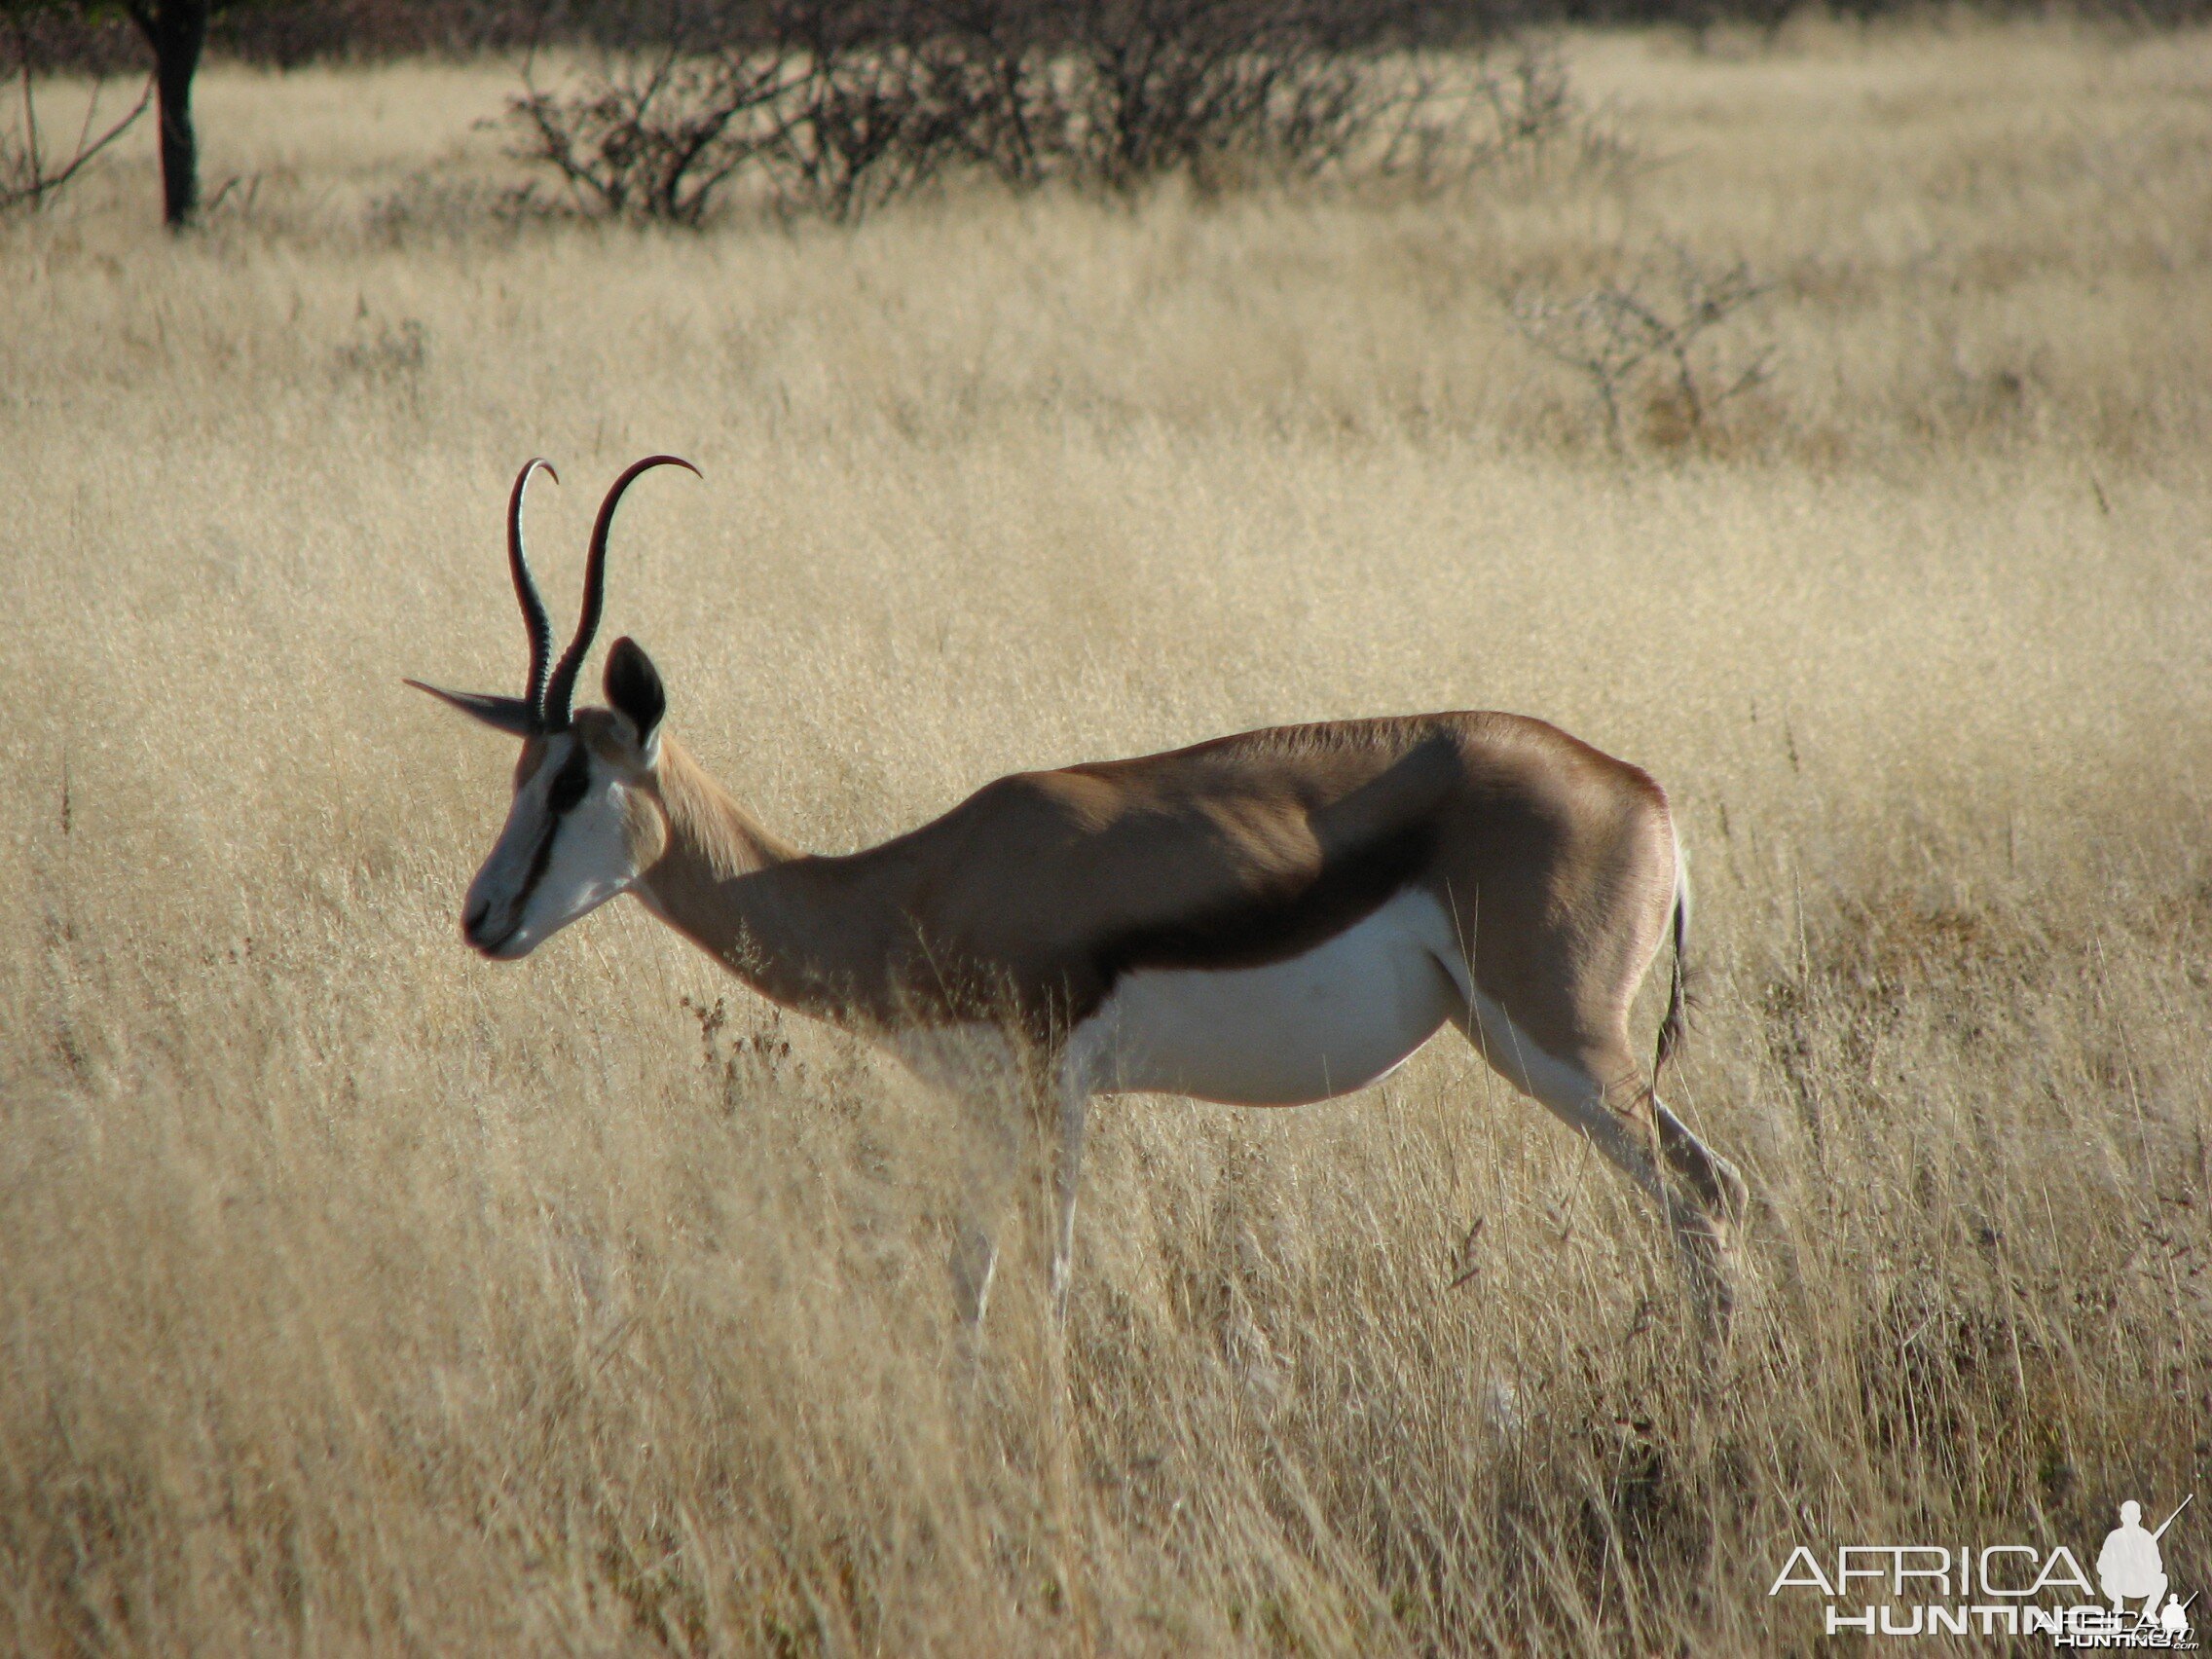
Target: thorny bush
825	106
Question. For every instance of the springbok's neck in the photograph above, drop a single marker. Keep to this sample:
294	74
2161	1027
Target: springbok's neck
759	906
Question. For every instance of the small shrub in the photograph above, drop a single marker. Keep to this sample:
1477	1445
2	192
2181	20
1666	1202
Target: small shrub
655	140
1656	332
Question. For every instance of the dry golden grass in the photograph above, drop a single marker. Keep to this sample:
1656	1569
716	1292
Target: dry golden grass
355	1294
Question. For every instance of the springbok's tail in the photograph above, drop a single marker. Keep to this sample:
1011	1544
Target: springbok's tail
1675	1022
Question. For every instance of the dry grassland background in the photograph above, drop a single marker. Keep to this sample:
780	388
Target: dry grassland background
357	1295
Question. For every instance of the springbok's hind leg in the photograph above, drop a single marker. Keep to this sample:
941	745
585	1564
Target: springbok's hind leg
1699	1192
1601	1095
1720	1190
1707	1200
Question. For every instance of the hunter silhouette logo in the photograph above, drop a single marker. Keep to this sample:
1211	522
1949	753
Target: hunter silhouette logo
2005	1590
2129	1567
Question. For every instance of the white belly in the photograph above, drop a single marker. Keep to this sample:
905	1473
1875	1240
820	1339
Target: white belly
1332	1021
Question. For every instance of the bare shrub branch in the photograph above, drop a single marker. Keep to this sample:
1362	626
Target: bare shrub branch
1652	331
1458	115
656	139
28	178
867	120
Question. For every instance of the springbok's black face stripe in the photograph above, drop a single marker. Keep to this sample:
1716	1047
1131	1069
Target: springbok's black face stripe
567	789
570	783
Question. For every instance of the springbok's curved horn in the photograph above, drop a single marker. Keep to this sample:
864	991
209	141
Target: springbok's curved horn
562	687
533	615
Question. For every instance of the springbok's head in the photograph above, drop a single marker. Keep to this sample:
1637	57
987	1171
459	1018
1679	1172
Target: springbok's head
584	824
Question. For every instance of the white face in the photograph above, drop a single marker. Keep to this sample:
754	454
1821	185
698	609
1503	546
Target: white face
567	849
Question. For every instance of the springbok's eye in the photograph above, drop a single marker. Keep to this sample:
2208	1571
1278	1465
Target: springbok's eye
570	780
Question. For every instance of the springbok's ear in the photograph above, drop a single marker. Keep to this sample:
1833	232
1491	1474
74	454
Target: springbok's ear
510	715
635	692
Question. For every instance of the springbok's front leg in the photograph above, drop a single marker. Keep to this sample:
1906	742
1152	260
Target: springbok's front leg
991	1156
995	1160
1074	1102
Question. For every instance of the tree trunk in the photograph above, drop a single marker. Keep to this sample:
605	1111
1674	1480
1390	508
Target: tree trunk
176	30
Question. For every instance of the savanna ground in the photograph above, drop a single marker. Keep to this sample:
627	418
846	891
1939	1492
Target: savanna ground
357	1295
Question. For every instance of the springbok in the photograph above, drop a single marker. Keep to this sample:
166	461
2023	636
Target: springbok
1266	920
